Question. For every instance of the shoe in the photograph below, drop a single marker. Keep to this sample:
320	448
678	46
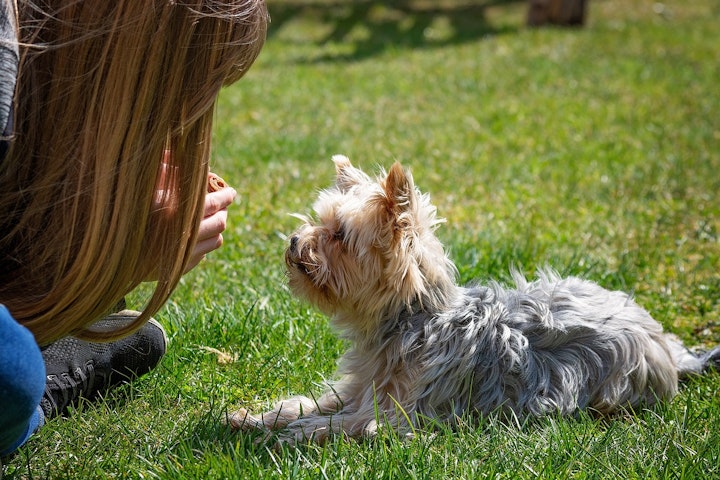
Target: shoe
78	369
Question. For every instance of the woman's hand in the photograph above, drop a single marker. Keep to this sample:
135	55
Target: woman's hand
214	217
212	225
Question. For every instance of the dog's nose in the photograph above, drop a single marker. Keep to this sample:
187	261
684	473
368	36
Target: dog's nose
293	243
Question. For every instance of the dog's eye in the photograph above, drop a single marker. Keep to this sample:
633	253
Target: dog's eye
339	234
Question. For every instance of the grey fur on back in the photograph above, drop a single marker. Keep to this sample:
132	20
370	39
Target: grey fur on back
553	345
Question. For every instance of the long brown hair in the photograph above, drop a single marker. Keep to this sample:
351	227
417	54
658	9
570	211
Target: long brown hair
104	89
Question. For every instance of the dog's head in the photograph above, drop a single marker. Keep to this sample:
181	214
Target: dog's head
370	250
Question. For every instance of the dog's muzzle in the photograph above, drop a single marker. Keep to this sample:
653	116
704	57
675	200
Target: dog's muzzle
293	255
294	243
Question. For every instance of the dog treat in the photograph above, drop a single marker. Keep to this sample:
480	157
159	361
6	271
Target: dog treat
215	183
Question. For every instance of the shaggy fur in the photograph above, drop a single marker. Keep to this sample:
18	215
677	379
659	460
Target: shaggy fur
426	348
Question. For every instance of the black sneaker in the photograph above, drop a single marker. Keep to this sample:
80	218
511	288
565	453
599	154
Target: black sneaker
77	369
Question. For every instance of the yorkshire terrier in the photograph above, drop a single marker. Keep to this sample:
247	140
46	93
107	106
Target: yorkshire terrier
424	348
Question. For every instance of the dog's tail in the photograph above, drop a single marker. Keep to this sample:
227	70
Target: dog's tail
710	359
693	363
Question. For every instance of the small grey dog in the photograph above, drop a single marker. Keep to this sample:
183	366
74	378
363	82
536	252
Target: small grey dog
425	348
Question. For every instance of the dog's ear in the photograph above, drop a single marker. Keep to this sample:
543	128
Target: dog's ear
347	175
341	162
399	189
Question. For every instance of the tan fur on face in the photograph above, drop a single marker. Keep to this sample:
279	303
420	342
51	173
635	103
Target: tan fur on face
370	250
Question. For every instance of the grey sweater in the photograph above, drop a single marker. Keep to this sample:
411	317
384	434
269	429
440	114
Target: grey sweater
8	64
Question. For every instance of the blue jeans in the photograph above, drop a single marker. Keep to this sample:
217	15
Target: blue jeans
22	383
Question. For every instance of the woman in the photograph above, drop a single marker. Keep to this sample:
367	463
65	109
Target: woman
103	184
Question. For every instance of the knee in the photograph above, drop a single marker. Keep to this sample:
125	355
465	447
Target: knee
22	370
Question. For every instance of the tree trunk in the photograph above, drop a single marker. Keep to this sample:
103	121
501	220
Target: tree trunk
556	12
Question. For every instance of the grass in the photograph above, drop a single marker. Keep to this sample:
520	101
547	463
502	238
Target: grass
594	150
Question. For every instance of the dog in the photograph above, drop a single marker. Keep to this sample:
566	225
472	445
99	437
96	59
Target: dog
424	348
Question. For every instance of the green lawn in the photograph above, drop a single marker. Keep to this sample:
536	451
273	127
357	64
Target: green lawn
593	150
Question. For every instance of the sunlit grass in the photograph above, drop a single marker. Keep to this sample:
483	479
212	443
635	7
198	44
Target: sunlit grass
593	150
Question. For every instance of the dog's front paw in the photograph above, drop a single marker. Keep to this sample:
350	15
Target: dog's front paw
243	420
296	435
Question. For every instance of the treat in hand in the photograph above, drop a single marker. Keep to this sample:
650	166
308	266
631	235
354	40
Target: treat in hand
215	183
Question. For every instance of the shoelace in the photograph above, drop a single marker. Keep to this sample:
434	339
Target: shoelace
71	388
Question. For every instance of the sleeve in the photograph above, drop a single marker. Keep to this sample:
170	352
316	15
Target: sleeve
8	65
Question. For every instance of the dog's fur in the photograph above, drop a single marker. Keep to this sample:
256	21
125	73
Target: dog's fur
425	348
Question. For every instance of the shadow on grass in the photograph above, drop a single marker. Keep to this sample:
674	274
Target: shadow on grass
391	24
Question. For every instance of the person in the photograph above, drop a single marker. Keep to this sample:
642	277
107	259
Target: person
108	108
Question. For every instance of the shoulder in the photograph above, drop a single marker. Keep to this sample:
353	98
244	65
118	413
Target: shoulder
8	61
